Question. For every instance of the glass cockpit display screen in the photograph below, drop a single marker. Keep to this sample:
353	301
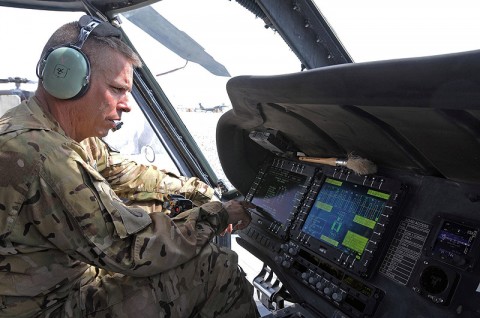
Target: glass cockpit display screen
454	240
344	215
277	191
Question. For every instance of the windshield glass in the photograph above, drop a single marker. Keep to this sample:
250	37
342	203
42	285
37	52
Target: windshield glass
235	39
379	30
193	52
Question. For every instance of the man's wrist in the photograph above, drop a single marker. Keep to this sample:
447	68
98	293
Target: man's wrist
218	215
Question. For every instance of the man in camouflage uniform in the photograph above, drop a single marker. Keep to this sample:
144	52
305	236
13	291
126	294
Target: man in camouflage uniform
70	247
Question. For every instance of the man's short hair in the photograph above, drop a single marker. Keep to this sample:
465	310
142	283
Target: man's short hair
94	45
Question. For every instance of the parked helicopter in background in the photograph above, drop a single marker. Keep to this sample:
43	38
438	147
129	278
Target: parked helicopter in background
22	94
315	98
12	97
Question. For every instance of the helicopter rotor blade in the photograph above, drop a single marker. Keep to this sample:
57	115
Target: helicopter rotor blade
17	80
176	40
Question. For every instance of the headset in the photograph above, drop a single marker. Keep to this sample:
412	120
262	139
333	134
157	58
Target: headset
65	70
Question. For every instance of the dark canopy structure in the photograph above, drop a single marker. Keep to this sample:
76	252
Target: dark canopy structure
417	115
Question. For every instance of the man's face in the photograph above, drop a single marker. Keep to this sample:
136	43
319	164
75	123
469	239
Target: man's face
106	98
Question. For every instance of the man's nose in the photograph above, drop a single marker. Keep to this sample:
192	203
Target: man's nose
124	104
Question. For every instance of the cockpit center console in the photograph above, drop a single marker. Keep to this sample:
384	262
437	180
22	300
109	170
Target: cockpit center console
327	230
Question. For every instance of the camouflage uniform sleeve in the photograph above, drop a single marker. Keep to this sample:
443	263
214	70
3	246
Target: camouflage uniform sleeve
82	216
137	182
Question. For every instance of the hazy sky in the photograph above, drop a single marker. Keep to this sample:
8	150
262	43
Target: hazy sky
378	29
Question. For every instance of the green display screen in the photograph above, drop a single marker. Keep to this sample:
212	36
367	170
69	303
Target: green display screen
344	215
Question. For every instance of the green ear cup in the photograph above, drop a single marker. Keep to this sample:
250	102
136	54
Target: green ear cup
65	70
66	73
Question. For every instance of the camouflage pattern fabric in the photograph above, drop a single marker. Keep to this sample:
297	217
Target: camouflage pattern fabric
70	247
136	182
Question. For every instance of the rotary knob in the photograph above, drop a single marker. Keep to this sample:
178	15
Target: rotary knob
328	290
293	250
320	285
286	263
337	296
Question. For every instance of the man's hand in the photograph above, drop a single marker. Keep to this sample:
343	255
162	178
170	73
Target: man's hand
238	215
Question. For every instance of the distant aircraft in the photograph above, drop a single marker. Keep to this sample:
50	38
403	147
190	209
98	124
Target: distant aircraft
214	109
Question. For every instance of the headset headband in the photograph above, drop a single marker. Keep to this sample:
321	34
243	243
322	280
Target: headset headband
85	32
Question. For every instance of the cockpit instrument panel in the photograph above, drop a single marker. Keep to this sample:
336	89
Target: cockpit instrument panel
325	226
330	211
349	243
